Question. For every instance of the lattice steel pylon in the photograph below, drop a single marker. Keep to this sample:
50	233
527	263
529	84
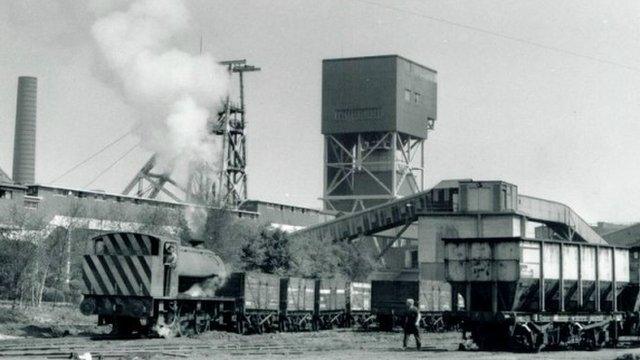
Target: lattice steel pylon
231	126
368	169
230	188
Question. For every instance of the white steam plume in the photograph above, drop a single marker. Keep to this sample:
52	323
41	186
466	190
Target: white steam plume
173	92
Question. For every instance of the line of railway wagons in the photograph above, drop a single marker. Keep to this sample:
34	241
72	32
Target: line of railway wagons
316	304
508	293
147	284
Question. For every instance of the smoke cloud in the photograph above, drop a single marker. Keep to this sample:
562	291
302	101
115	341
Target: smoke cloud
206	288
175	93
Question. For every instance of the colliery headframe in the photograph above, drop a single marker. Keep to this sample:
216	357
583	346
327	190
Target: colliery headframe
229	187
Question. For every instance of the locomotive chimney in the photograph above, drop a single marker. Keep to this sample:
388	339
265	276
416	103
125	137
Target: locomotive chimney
24	146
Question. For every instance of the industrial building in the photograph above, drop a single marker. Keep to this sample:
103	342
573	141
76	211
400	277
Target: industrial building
376	114
50	204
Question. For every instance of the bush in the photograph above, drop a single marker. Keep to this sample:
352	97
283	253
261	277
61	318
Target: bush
53	295
8	315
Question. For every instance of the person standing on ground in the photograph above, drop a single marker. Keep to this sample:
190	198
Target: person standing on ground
411	324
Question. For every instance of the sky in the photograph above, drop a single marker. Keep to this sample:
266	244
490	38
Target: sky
560	124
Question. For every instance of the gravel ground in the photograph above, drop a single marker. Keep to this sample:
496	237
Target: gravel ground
45	321
63	327
303	346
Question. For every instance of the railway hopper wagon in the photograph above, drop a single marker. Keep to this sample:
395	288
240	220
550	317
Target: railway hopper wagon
144	283
527	294
257	297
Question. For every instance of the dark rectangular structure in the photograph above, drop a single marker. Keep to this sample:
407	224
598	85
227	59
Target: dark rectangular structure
389	297
377	94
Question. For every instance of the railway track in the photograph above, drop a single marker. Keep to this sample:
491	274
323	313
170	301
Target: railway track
242	346
65	349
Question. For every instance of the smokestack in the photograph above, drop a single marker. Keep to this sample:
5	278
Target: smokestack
24	145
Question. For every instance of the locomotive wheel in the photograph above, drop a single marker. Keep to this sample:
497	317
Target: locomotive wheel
201	322
185	324
168	328
186	328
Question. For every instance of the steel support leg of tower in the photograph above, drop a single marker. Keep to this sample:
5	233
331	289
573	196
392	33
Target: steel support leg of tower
367	169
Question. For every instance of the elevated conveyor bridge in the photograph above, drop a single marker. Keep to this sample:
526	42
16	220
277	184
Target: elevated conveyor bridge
441	200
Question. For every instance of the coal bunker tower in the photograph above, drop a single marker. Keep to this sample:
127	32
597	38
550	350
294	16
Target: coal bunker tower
376	114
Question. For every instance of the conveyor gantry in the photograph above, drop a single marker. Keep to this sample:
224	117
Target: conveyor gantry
557	216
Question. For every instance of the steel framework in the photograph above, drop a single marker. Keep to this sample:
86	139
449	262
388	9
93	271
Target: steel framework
368	169
148	184
231	189
231	125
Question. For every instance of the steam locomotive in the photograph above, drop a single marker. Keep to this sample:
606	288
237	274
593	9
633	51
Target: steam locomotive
138	282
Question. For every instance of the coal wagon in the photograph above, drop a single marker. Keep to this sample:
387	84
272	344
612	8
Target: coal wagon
432	298
359	304
297	303
330	303
527	294
257	300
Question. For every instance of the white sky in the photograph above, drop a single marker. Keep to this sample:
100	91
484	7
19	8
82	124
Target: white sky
559	126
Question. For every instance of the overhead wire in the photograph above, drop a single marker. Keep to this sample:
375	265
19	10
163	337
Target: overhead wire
112	164
93	155
503	36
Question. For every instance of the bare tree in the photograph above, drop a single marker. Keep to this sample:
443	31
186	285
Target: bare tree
26	262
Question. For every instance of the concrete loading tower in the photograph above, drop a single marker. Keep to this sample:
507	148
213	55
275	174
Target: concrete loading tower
376	114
